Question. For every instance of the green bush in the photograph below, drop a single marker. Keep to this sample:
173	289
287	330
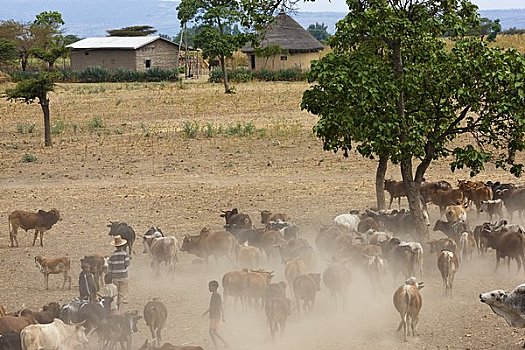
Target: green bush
25	128
158	74
58	127
243	75
95	124
190	129
94	75
121	75
28	158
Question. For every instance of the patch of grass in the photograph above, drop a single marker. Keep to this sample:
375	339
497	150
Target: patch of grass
209	130
58	127
190	129
95	124
240	129
25	128
145	130
29	158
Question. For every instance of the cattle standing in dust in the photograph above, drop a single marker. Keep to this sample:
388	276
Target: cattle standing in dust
234	285
305	288
448	265
162	250
277	312
155	316
118	329
207	243
53	336
396	189
123	230
337	279
510	306
408	302
40	221
507	243
49	266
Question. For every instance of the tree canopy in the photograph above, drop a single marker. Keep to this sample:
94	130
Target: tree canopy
140	30
319	31
393	89
48	40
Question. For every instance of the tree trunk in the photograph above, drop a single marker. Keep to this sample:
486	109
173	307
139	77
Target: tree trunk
44	103
23	62
225	75
380	181
414	200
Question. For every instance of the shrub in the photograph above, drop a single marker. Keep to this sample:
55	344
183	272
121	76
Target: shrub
125	75
28	158
95	124
209	130
158	74
58	127
94	75
190	129
25	128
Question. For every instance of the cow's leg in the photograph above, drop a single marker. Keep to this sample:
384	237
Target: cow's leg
35	237
41	238
391	200
497	262
46	280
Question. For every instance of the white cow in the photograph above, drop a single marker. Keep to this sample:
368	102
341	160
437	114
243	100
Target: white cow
53	336
348	222
510	306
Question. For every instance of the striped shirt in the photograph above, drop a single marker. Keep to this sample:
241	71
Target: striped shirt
118	265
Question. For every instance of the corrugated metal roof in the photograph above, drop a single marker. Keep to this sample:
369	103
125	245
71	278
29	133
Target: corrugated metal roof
114	42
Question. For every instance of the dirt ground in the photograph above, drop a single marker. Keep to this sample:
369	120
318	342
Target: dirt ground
140	168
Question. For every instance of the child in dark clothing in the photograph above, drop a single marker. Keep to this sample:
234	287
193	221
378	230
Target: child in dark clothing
86	284
216	313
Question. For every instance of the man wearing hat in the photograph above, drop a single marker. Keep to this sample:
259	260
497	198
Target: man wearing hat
118	268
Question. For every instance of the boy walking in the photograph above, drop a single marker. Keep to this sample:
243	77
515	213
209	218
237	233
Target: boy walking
216	313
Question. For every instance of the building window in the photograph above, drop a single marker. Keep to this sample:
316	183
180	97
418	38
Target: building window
147	63
284	58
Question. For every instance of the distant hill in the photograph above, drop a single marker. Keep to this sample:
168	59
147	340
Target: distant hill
93	17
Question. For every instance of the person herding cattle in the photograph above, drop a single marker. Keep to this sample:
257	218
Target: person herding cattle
216	313
118	265
110	290
86	284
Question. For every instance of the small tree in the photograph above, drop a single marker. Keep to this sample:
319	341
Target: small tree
20	34
143	30
49	42
36	88
8	52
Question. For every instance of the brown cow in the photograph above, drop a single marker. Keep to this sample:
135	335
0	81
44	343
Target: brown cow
49	266
47	315
277	312
293	268
256	283
514	199
40	221
9	324
337	279
218	244
248	257
155	316
509	244
444	198
436	246
455	213
234	283
267	217
408	302
168	346
305	288
396	189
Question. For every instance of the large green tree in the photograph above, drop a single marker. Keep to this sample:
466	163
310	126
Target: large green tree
36	88
392	87
217	18
8	52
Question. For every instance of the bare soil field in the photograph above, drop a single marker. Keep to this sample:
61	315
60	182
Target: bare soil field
121	152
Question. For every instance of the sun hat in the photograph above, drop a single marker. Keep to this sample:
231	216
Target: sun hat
118	241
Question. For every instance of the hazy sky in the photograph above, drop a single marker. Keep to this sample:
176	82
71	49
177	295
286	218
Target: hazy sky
340	5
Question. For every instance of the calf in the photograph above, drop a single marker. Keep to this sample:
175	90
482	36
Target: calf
448	265
155	315
396	189
269	219
292	269
436	246
249	257
305	288
455	213
492	207
235	220
40	221
277	312
118	329
337	279
49	266
467	244
452	230
408	302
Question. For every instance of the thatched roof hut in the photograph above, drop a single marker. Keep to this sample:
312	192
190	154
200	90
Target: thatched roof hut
297	46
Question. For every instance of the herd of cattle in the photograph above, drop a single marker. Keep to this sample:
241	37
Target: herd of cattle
372	242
